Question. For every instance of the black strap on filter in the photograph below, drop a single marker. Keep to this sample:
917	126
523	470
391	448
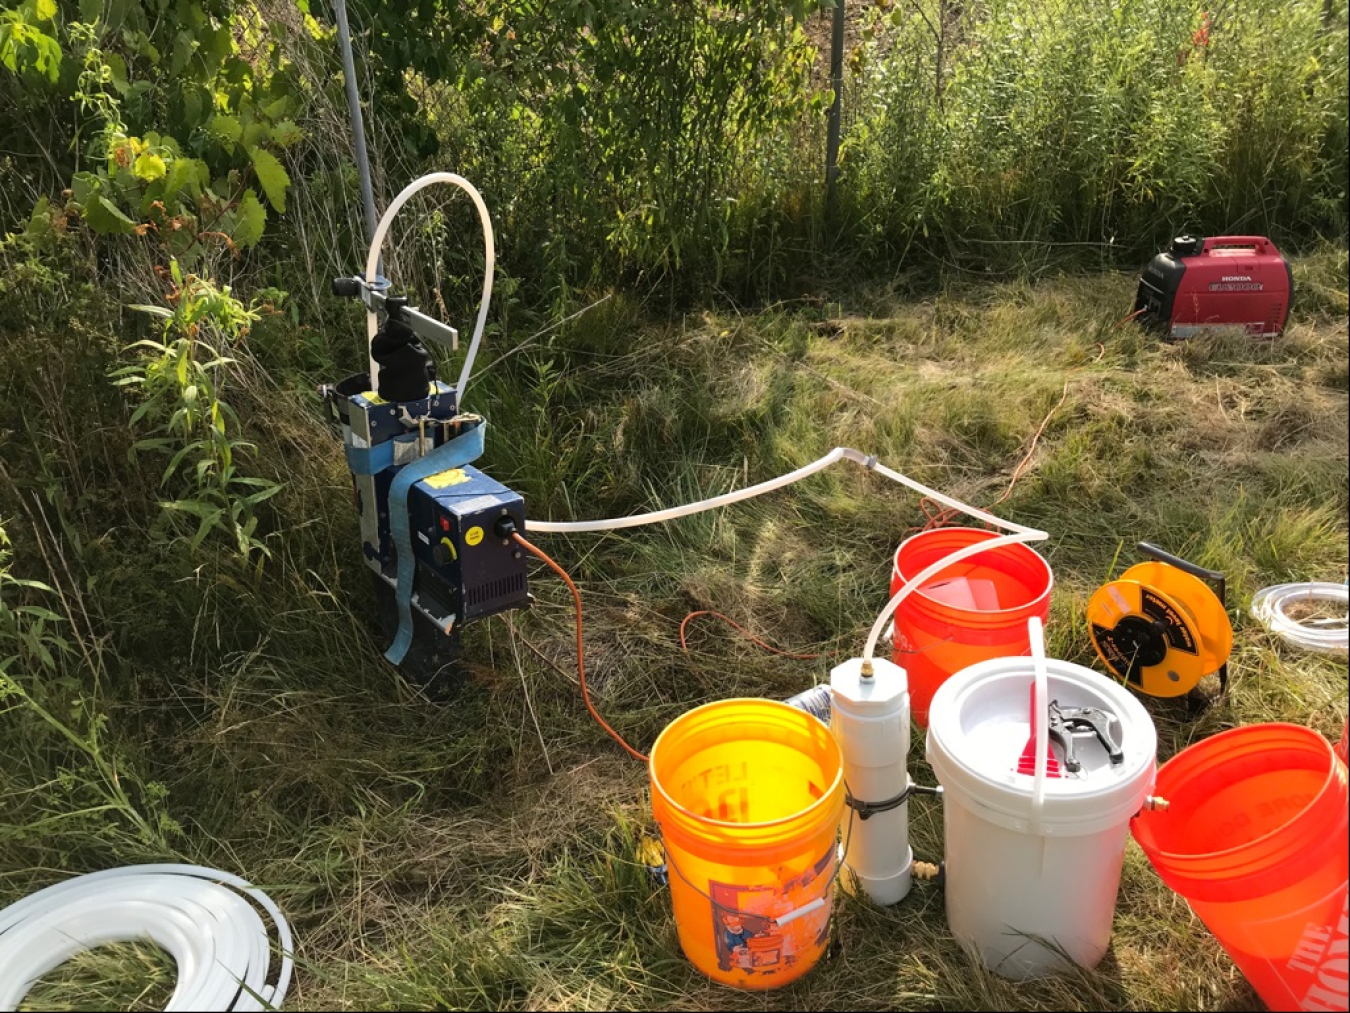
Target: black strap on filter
866	810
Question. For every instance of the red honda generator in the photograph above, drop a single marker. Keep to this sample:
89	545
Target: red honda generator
1224	281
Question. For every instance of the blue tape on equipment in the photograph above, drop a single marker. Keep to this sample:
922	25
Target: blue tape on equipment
370	460
458	452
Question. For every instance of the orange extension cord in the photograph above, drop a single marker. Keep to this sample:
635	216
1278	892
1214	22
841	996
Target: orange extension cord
581	662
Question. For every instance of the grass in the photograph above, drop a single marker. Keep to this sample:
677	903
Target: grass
481	853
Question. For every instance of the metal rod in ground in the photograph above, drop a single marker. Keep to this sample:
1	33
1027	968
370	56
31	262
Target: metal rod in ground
836	108
354	108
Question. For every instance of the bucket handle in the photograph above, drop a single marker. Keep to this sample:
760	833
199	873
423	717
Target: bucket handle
1040	701
789	916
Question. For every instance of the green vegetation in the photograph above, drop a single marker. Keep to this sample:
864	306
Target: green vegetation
189	663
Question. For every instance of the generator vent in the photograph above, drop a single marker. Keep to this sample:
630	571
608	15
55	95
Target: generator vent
491	590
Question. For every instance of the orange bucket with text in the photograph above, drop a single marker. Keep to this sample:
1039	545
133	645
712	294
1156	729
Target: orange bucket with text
1255	839
748	795
974	610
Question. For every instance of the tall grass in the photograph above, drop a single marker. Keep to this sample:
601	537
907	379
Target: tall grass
481	853
992	130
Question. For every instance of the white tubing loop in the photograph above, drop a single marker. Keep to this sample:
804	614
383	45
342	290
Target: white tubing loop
1019	533
489	266
929	572
1040	714
199	916
673	513
1331	636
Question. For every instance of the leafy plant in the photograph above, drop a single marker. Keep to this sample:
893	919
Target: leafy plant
37	654
24	43
182	114
180	377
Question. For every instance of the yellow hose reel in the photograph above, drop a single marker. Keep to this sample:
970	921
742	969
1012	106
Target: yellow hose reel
1160	627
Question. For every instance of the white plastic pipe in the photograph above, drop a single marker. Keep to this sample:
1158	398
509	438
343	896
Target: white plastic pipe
489	265
806	909
200	916
1040	714
869	718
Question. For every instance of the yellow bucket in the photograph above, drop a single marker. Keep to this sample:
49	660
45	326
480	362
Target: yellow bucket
749	795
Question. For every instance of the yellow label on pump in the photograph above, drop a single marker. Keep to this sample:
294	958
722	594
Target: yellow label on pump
445	479
473	536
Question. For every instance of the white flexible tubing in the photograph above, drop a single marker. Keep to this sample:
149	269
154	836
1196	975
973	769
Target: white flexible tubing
929	572
750	492
1269	607
1019	533
672	513
1040	702
217	938
489	265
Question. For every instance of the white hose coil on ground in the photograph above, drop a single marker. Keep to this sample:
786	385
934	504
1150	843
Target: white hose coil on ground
217	937
1329	636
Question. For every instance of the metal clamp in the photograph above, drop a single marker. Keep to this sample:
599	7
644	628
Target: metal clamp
1068	722
375	294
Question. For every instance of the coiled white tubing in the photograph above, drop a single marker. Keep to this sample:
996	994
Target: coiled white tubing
203	918
1270	606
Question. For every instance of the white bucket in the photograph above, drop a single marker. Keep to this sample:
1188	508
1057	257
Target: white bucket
1027	886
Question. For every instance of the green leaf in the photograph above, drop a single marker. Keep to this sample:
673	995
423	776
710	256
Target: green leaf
105	218
272	176
254	133
44	9
155	311
250	221
40	221
286	133
224	128
182	172
149	167
84	186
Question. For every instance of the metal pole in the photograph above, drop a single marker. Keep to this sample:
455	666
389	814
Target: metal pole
832	138
358	126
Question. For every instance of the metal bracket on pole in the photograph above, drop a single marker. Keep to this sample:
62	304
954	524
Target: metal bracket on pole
375	295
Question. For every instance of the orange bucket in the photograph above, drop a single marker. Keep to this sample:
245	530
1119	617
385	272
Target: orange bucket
1255	839
748	795
973	610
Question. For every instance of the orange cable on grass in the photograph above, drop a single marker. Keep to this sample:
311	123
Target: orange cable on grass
744	632
1131	316
1022	465
581	663
936	517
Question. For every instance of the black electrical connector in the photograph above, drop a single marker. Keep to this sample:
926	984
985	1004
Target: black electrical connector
505	526
346	288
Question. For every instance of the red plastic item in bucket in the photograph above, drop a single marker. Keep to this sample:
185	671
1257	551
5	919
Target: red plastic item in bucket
1255	839
973	610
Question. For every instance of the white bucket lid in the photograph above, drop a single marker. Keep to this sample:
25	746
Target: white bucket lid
979	724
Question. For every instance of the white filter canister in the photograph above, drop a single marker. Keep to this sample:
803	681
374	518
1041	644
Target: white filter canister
1030	888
